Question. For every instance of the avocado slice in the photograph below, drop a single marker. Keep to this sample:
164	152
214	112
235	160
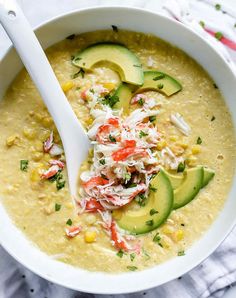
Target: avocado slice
175	180
190	187
116	56
124	92
139	220
208	175
160	82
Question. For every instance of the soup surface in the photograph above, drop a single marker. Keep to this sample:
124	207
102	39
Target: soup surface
38	199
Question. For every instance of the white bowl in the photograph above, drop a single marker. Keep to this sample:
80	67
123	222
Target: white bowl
136	20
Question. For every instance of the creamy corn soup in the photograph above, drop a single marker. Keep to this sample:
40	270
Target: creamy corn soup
161	166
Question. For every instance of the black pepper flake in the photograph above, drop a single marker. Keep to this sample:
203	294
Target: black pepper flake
114	28
215	86
70	37
31	290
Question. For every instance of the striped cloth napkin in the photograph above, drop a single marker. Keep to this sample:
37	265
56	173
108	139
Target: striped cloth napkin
218	272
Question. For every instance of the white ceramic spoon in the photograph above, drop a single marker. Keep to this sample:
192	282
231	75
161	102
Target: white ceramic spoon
73	136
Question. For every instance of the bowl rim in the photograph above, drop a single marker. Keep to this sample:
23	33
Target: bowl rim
147	284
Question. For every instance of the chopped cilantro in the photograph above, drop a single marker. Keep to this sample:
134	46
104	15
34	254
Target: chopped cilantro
140	102
154	189
150	222
217	6
132	185
202	24
132	268
127	176
181	167
60	184
114	28
213	118
153	211
58	177
181	253
132	256
76	59
69	222
159	77
110	100
120	253
218	35
142	134
137	65
146	254
152	118
235	25
141	200
102	161
112	139
80	72
72	36
157	239
24	165
57	207
160	86
199	141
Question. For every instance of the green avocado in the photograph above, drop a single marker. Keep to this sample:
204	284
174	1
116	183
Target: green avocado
161	82
114	56
140	220
208	175
190	187
175	180
126	91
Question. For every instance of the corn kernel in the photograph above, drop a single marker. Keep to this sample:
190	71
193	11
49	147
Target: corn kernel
90	219
184	145
47	122
34	175
47	157
109	86
196	149
38	116
168	230
179	235
67	86
161	145
31	113
69	205
89	121
90	236
191	161
12	140
37	156
173	138
29	133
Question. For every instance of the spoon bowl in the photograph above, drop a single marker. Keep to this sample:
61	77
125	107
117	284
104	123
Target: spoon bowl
28	47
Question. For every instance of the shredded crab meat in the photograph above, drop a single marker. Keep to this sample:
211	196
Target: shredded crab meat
124	161
180	123
170	160
73	231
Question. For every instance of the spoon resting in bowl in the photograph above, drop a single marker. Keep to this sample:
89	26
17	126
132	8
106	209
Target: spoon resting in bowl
73	136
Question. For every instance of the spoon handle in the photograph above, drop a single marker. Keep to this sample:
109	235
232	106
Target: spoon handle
73	136
35	61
